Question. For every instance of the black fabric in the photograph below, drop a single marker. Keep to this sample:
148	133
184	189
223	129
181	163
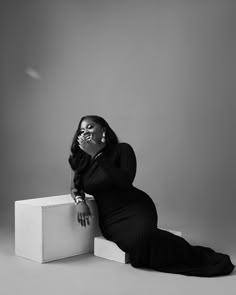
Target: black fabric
128	217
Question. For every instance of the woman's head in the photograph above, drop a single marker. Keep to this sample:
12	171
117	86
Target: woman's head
98	127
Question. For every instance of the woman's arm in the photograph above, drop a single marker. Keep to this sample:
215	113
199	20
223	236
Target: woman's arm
76	196
82	208
121	176
73	190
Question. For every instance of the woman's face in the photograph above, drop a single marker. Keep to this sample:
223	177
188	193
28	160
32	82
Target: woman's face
89	128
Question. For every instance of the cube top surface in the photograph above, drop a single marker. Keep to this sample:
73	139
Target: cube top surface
102	238
51	201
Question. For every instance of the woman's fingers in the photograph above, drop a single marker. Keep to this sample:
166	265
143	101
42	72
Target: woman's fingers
87	219
88	137
80	140
83	219
84	138
79	217
83	143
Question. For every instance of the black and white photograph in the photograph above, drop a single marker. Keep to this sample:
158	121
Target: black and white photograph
118	147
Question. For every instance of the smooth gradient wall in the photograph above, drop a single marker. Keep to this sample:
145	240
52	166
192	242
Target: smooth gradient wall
160	72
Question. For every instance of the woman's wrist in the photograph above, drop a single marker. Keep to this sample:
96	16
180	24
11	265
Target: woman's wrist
78	200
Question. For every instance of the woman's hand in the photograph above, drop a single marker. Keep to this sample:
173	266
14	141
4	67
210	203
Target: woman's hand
87	144
83	213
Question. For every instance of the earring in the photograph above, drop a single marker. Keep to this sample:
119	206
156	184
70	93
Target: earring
103	140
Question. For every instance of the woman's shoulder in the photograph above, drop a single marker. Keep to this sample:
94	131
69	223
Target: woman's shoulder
124	147
120	150
120	147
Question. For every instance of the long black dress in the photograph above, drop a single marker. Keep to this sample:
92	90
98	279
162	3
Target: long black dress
128	217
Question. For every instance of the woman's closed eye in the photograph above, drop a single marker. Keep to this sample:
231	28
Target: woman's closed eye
89	127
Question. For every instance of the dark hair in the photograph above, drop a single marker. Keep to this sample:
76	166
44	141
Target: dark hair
79	159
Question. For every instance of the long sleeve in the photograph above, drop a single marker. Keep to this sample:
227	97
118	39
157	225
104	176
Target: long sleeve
79	160
122	174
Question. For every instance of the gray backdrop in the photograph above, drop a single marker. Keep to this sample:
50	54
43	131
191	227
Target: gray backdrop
160	72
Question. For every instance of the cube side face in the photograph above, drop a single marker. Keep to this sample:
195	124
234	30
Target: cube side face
109	250
63	236
28	231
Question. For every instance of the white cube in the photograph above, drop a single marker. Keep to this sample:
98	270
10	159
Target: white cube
46	228
109	250
175	232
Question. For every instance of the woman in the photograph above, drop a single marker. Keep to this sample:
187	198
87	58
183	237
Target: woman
105	168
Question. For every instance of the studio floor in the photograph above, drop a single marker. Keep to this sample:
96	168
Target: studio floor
87	275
